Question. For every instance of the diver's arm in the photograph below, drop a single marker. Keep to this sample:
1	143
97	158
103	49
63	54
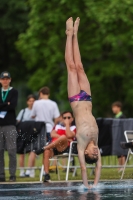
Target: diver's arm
81	156
97	169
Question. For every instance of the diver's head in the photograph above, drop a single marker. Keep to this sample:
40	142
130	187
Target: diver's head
91	153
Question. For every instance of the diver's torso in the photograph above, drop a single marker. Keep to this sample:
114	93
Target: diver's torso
86	125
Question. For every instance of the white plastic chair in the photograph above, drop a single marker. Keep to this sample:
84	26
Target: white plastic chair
42	168
69	159
58	157
129	138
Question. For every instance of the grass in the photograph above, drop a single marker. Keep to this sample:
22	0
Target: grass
108	174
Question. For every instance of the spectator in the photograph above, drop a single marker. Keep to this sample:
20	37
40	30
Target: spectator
46	110
117	110
67	130
25	115
8	134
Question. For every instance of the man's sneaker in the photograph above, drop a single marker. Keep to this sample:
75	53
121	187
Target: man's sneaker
27	173
12	178
2	180
32	173
126	145
22	174
46	178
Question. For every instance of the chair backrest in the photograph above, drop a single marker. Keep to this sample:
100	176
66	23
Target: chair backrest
129	137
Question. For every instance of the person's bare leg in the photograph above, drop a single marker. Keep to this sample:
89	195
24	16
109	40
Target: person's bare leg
31	163
120	159
82	78
46	156
31	159
123	160
73	85
21	160
119	162
21	164
60	144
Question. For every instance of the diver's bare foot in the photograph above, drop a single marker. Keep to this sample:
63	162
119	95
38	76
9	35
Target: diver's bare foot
76	25
69	26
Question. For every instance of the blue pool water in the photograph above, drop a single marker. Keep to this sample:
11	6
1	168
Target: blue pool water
118	190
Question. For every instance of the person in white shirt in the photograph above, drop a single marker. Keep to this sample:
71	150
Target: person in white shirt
25	115
46	110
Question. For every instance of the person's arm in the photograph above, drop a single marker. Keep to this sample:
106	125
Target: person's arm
56	114
33	111
97	169
33	116
81	156
19	116
70	134
56	120
54	134
6	106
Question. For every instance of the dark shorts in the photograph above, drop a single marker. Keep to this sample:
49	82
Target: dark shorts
122	155
58	153
82	96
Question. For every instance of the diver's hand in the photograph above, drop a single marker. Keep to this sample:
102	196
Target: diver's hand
92	186
87	187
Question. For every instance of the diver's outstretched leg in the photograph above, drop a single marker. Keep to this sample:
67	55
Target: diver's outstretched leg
73	85
82	78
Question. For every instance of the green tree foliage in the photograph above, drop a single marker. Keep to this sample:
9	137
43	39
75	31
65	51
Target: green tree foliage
105	38
13	21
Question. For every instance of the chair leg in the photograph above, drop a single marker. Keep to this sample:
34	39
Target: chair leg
74	173
58	170
41	173
125	163
68	164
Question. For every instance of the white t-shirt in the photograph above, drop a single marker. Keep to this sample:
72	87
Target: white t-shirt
26	116
45	110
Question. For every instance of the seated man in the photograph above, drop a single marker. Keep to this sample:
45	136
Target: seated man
126	145
61	135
